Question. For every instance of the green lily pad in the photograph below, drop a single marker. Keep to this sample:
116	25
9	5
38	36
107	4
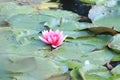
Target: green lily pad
26	27
101	57
116	70
38	23
94	72
25	31
61	14
116	77
52	72
4	21
11	8
75	51
75	74
114	45
108	19
7	39
16	63
8	44
70	25
77	34
36	67
31	22
116	56
3	75
81	49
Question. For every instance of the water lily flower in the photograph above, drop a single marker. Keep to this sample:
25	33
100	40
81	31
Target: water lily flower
53	38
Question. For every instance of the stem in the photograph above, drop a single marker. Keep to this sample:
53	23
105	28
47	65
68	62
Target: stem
60	23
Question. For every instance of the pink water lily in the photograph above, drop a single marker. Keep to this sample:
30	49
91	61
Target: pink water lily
53	38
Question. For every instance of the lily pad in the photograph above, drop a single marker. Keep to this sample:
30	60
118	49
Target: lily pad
94	72
16	63
115	71
114	45
101	57
108	19
25	26
61	14
7	39
75	51
11	8
4	21
77	34
75	74
43	72
38	70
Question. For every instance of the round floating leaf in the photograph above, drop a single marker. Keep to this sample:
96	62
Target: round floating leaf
116	56
95	11
24	37
35	47
94	72
61	14
10	9
77	34
75	51
70	25
16	63
36	67
116	70
43	72
101	57
116	77
108	19
3	72
8	44
26	27
4	21
32	22
39	22
78	49
75	74
7	40
115	43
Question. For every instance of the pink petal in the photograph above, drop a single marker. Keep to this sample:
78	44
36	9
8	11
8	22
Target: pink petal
61	40
54	46
49	39
44	40
45	33
57	31
54	39
51	32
